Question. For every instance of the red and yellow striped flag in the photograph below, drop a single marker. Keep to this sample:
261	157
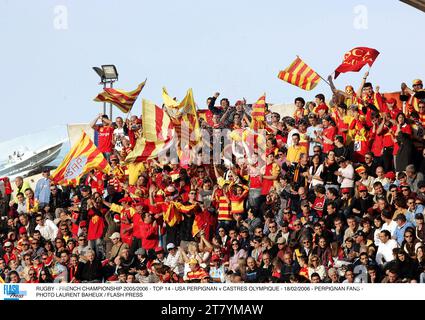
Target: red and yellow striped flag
124	100
184	117
158	134
83	157
258	113
300	74
200	223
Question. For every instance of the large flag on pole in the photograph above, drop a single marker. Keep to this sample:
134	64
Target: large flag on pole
300	74
83	157
158	134
356	59
124	100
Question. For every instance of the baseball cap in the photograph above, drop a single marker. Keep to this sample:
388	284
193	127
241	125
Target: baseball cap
193	261
83	223
159	250
22	230
345	190
45	170
390	175
360	233
281	240
117	217
140	251
417	81
8	244
171	246
362	188
419	216
115	235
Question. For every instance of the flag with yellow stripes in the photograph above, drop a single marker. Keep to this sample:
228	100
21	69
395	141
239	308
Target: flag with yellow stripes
158	134
258	113
124	100
300	74
83	157
184	117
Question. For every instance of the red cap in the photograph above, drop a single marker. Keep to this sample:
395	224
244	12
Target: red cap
83	223
159	249
238	103
362	187
390	175
345	190
117	217
391	101
126	200
22	230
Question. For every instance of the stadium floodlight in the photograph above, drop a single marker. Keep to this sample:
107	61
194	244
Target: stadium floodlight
418	4
110	72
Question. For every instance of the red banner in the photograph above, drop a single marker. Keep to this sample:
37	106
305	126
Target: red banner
356	59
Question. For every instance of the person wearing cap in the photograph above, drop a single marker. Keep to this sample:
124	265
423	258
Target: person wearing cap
105	133
412	101
42	189
173	259
196	273
413	208
345	174
117	246
420	227
365	179
402	225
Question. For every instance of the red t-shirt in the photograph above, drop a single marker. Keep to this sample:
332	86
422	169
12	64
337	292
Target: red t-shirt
330	133
96	225
104	142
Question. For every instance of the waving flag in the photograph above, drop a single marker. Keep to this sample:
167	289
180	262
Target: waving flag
258	113
158	134
174	215
300	74
200	222
83	157
124	100
356	59
184	117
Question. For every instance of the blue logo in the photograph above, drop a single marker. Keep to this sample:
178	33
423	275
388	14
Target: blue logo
12	292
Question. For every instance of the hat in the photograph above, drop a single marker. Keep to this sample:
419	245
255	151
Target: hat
215	258
171	246
281	240
8	244
360	233
345	190
115	235
126	200
117	218
419	216
83	223
113	157
391	101
85	189
362	187
361	169
239	103
390	175
45	170
159	250
417	81
22	230
193	261
140	251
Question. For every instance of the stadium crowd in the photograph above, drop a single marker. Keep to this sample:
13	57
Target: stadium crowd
337	195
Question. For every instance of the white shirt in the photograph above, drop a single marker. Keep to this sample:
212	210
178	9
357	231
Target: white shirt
390	227
385	251
49	230
174	263
118	134
289	140
347	177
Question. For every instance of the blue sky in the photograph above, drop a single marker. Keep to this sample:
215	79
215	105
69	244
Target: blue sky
234	47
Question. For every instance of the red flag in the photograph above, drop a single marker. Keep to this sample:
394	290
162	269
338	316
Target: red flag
356	59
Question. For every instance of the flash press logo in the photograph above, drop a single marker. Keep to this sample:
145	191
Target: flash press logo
12	292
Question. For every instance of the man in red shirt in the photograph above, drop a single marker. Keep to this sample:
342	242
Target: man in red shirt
328	134
105	134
